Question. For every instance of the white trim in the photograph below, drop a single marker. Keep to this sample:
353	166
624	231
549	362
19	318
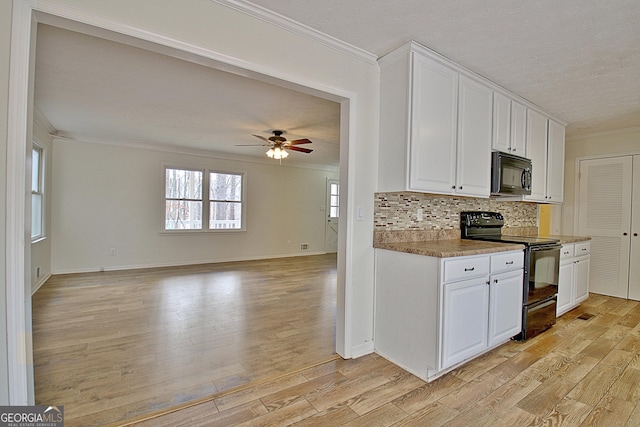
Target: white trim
40	282
299	29
175	149
19	362
42	120
180	264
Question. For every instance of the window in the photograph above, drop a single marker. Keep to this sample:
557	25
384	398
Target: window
225	198
186	204
37	192
334	200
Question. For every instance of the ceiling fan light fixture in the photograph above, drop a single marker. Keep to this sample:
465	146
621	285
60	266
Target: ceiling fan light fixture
277	153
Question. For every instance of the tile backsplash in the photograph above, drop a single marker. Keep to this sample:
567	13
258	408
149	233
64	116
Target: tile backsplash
399	212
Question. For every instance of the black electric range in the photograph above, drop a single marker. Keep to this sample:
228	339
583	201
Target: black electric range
541	268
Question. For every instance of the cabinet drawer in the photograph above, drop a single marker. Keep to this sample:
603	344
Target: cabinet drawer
567	251
507	261
582	248
465	268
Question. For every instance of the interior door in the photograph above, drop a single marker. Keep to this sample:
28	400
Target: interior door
333	216
605	215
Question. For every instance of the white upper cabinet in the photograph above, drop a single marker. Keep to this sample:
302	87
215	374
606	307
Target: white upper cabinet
555	162
509	125
473	168
537	149
435	128
439	123
518	129
545	143
433	123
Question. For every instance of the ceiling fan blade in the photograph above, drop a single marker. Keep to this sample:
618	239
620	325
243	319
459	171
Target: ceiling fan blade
300	141
261	137
300	149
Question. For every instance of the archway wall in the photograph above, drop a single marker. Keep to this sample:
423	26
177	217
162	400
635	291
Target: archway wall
247	41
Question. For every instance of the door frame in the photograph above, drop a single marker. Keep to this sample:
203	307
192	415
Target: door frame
26	14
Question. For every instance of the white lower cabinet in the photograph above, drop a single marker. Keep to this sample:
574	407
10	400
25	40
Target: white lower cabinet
573	279
465	320
434	313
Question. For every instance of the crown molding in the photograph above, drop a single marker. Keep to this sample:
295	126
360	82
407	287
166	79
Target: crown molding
298	28
42	121
175	149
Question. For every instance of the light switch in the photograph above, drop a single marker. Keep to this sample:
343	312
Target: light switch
360	213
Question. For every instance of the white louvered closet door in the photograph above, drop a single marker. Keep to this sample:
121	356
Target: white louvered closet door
605	215
634	257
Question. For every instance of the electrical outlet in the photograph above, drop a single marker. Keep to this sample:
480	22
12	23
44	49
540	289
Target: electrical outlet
112	252
420	214
304	246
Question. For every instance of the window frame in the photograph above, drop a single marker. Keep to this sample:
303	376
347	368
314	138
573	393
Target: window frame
35	146
206	201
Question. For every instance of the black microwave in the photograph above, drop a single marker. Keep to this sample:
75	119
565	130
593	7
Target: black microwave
510	175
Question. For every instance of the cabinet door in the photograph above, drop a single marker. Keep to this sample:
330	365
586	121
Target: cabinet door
501	140
505	306
434	98
555	162
464	323
581	278
519	129
537	149
566	297
473	170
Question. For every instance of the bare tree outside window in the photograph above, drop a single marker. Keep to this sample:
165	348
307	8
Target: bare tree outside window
183	195
186	204
225	195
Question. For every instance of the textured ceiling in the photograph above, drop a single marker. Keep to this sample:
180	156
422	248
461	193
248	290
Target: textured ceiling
93	89
577	59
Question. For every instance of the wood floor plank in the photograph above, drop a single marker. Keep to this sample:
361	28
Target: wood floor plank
171	366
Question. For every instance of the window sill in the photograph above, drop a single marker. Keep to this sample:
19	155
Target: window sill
38	240
196	232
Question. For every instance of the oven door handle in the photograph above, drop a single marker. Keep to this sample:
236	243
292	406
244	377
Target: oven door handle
550	246
549	302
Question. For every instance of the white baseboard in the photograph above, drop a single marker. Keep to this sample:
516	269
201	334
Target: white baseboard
94	269
39	283
362	349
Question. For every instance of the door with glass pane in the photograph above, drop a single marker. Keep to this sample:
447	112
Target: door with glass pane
333	216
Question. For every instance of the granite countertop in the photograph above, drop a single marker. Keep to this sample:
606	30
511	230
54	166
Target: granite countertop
449	247
569	239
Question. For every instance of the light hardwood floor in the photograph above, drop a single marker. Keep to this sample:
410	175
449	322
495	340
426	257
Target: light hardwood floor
579	373
111	346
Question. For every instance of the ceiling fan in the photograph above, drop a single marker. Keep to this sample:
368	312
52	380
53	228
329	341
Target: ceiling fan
277	145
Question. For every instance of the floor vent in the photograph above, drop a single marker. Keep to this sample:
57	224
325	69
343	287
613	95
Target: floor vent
304	246
585	316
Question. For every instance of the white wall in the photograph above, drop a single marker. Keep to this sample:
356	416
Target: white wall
108	196
620	142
